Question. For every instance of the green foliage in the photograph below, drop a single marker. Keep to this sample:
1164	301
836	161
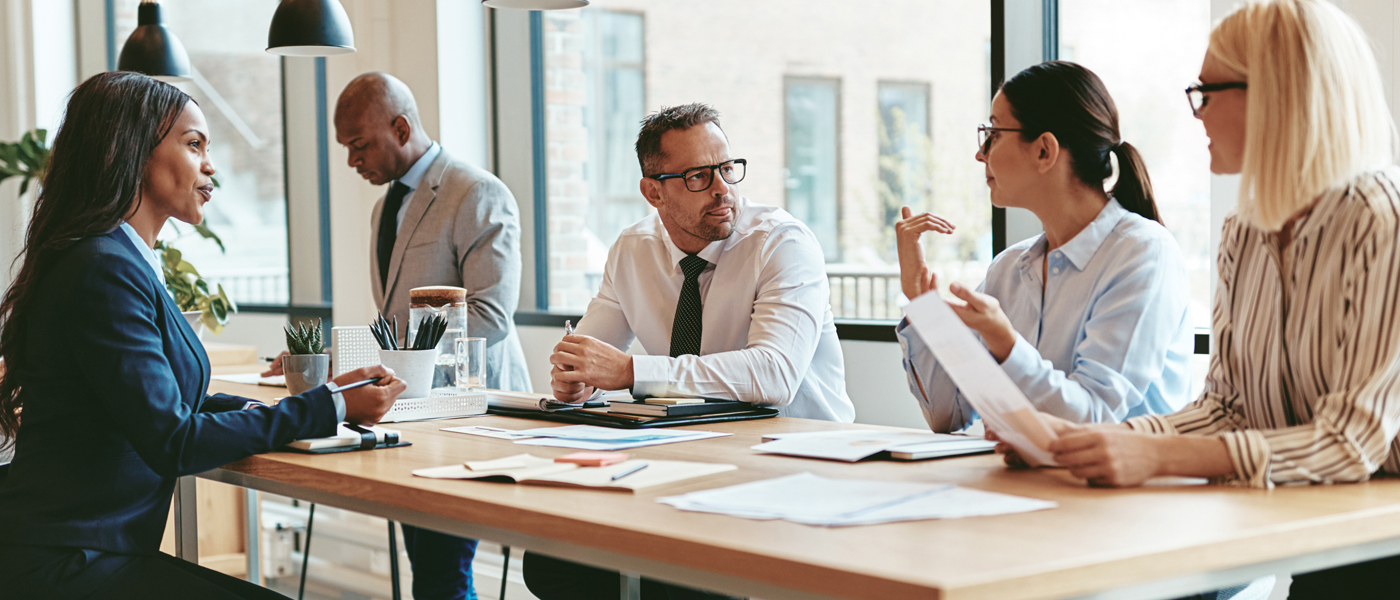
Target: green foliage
28	158
191	291
301	340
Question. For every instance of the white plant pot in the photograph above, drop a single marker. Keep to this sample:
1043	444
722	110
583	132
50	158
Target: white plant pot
192	317
414	367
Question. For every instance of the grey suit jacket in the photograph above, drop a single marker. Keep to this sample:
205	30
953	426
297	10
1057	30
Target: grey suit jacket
461	229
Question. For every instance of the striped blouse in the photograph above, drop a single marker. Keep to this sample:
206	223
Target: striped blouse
1304	381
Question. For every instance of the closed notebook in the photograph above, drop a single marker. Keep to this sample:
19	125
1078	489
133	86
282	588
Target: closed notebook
345	437
707	407
533	470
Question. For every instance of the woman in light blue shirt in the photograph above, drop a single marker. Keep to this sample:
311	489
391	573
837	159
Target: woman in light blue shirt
1090	318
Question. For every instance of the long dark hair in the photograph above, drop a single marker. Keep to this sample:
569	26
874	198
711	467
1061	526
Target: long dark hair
113	123
1071	102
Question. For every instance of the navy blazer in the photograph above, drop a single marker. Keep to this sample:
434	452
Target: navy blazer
114	407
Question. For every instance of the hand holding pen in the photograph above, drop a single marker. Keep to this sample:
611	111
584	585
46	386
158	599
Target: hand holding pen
366	402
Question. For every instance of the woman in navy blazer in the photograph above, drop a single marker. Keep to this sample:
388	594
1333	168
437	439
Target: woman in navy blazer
108	375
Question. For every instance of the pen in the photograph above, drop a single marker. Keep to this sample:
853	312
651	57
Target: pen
568	327
630	471
355	385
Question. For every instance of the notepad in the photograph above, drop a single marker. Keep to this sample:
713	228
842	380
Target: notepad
533	470
854	445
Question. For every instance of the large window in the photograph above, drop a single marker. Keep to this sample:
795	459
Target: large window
813	156
1145	70
845	113
238	87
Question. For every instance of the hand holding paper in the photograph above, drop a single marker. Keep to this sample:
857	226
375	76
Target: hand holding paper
995	397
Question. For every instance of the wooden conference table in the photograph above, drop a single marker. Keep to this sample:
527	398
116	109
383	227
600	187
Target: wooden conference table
1159	541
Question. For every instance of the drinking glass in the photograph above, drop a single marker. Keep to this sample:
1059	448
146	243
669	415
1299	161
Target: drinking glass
471	363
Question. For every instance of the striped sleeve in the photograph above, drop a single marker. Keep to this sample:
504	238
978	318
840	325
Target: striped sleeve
1354	423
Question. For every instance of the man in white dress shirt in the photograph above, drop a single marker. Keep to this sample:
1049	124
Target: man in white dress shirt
729	298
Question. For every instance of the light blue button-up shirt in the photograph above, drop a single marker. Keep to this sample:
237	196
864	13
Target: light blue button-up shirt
414	177
1110	337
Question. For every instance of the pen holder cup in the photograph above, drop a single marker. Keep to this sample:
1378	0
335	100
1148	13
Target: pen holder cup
414	367
305	371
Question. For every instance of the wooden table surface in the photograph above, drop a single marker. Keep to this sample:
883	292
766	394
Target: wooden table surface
1096	540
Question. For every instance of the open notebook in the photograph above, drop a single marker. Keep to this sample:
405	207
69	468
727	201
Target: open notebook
534	470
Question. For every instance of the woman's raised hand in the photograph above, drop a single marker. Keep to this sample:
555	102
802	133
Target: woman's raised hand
914	276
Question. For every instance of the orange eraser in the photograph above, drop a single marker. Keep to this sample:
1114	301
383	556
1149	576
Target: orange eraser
593	459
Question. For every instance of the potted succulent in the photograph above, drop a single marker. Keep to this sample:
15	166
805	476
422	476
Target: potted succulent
306	365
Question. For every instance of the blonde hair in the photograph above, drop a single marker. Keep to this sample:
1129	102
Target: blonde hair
1317	110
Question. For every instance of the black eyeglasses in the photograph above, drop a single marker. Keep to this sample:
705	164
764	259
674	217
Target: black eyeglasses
1196	94
987	133
700	179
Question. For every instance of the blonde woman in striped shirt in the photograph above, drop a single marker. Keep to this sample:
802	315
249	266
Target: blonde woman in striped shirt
1304	382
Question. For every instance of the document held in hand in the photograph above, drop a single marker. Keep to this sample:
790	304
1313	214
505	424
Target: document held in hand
992	394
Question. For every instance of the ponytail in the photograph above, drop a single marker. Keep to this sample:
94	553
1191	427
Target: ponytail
1071	102
1134	189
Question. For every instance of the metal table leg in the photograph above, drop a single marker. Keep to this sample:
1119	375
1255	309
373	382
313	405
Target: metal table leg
631	586
186	521
252	547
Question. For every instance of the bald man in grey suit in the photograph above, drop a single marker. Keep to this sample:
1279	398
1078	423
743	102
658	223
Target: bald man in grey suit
442	222
450	224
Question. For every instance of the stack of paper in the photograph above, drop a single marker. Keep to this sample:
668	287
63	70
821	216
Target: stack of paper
854	445
812	500
534	470
590	437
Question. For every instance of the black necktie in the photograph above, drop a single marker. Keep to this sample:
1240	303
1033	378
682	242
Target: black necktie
686	329
389	228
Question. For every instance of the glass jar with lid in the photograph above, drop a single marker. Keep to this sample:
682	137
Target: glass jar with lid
451	304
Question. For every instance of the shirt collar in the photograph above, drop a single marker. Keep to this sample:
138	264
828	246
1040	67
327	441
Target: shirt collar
415	174
146	251
710	253
1083	246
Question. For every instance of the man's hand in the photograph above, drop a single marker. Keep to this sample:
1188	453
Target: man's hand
565	391
983	314
275	368
366	405
581	360
914	276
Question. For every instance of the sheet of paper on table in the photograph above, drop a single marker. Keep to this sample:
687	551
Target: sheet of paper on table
813	500
253	379
991	392
491	432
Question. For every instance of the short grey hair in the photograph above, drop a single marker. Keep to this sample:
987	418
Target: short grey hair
685	116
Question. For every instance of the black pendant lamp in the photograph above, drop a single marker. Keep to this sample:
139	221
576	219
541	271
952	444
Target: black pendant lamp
152	49
310	28
536	4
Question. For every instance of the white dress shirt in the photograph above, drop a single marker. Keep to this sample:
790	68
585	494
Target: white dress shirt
768	333
414	177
